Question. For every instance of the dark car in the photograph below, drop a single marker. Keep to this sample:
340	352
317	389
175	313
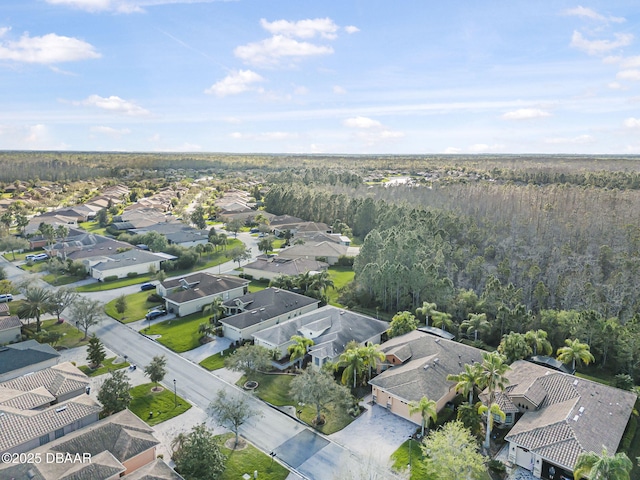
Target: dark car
153	314
147	286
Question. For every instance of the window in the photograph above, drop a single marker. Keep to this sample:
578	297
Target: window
59	433
44	439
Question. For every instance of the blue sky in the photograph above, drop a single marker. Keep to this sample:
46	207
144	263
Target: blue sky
331	76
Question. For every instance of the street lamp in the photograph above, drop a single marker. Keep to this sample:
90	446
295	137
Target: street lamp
175	393
410	439
78	325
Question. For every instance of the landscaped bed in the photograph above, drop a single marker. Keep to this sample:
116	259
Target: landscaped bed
248	460
106	366
156	407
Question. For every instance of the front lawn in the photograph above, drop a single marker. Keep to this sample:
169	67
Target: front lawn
121	282
179	334
106	367
71	336
274	389
60	280
156	407
248	460
215	362
137	307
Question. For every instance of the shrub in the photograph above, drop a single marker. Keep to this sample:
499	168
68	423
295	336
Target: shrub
497	466
154	298
345	261
629	434
246	276
132	274
111	278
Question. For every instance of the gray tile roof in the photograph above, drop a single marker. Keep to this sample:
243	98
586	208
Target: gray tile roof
576	415
322	249
202	284
432	359
24	354
59	380
287	266
264	305
7	323
25	401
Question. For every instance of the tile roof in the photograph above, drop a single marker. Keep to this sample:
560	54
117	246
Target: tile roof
321	249
156	470
59	380
201	285
287	266
7	323
576	415
425	372
18	399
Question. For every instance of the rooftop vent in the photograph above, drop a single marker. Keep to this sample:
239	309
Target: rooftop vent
426	366
575	419
61	409
575	382
581	410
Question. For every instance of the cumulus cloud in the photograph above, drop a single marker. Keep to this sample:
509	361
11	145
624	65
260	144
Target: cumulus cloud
452	150
580	139
600	47
484	148
235	83
271	51
371	131
113	104
47	49
110	131
585	12
630	62
632	122
629	75
338	90
309	28
361	122
351	29
525	114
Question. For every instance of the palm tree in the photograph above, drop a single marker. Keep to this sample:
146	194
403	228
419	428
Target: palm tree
467	381
427	410
477	323
537	340
372	355
442	320
492	411
427	309
215	308
299	349
353	362
321	281
37	301
575	351
592	466
492	373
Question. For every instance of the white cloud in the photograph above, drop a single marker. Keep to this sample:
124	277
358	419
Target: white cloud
630	62
265	136
309	28
591	14
110	131
48	49
338	90
351	29
29	137
113	104
271	51
119	6
452	150
484	148
300	91
580	139
600	47
615	86
525	114
632	122
629	75
361	122
235	83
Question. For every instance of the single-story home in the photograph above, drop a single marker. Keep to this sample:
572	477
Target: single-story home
192	293
177	233
559	416
25	357
270	267
325	251
329	327
417	365
253	312
122	264
10	329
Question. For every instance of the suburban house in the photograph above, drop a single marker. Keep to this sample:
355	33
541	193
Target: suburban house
253	312
192	293
317	237
269	267
122	264
329	327
120	446
140	217
10	329
324	251
25	357
80	240
39	407
559	416
176	233
417	365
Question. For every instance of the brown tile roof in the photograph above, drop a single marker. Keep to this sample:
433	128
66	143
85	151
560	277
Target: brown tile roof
25	401
59	380
4	309
7	323
156	470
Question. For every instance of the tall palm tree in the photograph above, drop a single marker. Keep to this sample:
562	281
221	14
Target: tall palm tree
37	301
321	281
427	309
353	362
299	349
476	323
442	320
592	466
537	340
492	373
215	308
492	412
467	381
372	355
575	351
427	410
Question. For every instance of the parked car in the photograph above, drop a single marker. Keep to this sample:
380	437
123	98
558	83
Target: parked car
7	297
36	258
147	286
153	314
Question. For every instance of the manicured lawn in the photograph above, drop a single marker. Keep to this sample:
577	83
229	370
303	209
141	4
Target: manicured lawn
257	285
274	389
19	257
59	280
214	362
107	366
137	307
248	460
162	404
341	276
121	282
93	227
71	336
179	334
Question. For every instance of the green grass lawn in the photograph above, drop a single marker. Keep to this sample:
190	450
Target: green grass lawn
248	460
137	307
59	280
341	276
107	366
71	337
162	404
179	334
257	285
274	389
215	362
93	227
121	282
